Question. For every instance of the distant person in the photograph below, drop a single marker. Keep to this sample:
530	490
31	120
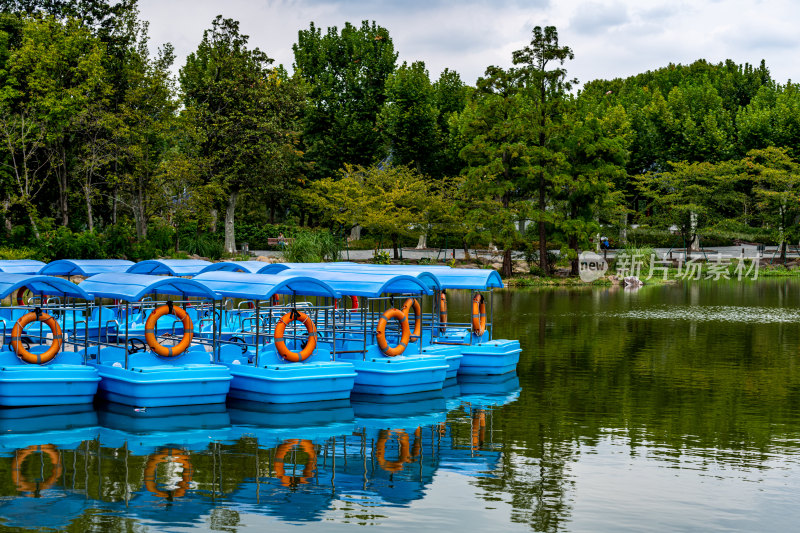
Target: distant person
281	240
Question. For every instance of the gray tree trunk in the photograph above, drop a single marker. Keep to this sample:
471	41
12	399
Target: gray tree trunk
230	238
355	233
214	216
422	243
87	193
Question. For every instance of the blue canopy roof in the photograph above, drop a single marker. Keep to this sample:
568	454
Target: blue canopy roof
21	266
427	278
132	287
477	279
170	267
263	286
361	283
235	266
39	284
84	267
446	277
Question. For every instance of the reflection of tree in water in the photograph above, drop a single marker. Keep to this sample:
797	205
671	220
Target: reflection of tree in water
725	392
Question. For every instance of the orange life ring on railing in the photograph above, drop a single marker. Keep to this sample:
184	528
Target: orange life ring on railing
308	471
150	330
442	312
412	302
36	486
168	455
478	314
16	334
406	453
280	344
383	344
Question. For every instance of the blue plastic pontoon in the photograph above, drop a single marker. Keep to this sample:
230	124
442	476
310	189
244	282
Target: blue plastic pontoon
53	376
134	373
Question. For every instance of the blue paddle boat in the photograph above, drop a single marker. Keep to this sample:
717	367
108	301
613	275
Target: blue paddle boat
287	354
35	366
482	355
376	338
150	373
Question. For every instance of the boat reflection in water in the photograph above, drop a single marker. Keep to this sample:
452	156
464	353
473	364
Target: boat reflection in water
214	464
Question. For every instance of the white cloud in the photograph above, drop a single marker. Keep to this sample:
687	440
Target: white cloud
610	38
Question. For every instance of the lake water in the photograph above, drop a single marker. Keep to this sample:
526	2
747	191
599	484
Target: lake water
671	408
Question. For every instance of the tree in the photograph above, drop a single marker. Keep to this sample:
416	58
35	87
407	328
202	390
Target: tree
51	79
408	118
596	147
147	133
390	201
777	190
346	73
247	129
691	196
498	155
543	73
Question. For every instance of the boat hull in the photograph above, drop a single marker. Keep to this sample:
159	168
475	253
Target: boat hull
23	385
292	382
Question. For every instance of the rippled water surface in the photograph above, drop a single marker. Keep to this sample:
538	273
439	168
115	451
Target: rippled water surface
671	408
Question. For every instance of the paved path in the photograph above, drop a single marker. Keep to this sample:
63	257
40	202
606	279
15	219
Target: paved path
433	253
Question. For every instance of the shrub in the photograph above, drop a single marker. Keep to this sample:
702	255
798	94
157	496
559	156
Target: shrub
7	252
204	245
381	257
312	247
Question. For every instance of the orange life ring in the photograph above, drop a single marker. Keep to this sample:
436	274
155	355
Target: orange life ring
405	454
168	455
280	344
412	302
150	330
16	334
442	312
36	486
478	429
308	471
383	344
478	314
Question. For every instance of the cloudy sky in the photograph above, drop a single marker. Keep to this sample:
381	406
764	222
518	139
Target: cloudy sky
610	38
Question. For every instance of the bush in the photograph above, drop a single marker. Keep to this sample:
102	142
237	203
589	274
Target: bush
204	245
17	253
312	247
381	257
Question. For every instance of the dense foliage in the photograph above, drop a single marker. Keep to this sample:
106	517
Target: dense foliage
104	153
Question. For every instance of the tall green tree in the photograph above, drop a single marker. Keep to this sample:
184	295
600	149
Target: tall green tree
408	118
596	145
346	72
247	129
54	79
498	154
541	67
